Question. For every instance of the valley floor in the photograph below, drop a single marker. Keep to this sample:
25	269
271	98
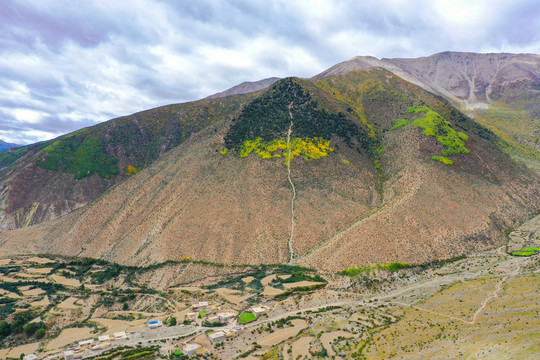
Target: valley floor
484	306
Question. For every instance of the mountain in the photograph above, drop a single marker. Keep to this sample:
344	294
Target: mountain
245	87
500	91
43	181
381	170
4	145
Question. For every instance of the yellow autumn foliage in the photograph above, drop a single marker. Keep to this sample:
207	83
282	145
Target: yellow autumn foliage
310	148
131	170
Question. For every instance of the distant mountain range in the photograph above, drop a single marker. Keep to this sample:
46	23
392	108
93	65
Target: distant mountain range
404	160
4	145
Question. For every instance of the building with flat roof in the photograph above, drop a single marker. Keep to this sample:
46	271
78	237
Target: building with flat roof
217	337
225	316
190	349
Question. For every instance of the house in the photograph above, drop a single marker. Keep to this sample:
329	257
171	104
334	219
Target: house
190	349
120	335
86	343
69	355
30	357
100	346
154	324
104	338
213	319
192	316
203	305
217	337
258	311
225	316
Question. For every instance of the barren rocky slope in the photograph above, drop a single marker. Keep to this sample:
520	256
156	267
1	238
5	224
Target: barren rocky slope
471	78
245	87
367	190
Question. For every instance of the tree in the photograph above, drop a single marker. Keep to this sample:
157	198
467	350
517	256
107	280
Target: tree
5	329
31	328
40	333
173	321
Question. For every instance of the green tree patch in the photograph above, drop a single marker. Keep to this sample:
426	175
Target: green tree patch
81	158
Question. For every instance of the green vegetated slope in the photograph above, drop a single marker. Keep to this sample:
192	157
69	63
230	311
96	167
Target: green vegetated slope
518	129
51	178
263	125
356	108
135	140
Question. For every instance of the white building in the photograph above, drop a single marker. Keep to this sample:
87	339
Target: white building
213	319
120	335
203	305
69	355
190	349
217	337
154	324
30	357
225	316
258	311
192	316
104	338
86	342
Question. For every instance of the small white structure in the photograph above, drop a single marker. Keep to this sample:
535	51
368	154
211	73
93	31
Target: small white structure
190	349
85	343
30	357
69	355
104	338
100	346
258	311
225	316
154	324
120	335
217	337
203	305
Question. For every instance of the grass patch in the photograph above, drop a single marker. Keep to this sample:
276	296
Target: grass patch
436	126
246	317
391	267
399	123
528	251
81	158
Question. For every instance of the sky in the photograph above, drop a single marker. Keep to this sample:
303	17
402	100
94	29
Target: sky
68	64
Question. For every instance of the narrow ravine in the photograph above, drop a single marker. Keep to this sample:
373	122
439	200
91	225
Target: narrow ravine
292	254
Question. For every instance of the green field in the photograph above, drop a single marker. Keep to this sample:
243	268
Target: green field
246	317
526	251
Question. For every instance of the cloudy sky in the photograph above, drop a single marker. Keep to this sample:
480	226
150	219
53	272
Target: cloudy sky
67	64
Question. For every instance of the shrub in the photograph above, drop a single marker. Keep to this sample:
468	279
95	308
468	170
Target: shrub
443	159
40	333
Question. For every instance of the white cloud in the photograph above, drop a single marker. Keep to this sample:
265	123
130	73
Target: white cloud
67	65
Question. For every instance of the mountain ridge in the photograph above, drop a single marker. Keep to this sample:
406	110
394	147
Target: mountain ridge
383	195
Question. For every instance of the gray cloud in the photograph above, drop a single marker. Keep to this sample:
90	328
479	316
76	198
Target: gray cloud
66	65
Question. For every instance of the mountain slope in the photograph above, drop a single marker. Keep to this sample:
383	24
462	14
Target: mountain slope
368	155
245	87
4	145
43	181
501	91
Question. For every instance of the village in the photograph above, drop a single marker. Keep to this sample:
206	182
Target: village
188	309
207	322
